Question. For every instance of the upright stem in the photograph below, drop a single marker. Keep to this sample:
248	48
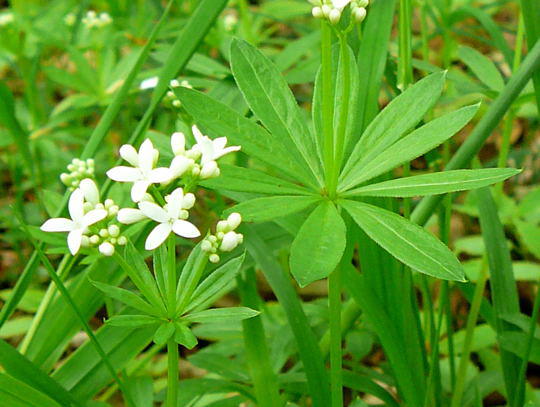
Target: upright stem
469	335
334	299
405	51
327	102
172	373
171	276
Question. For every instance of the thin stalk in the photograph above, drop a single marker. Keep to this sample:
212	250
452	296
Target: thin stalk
405	76
334	299
327	101
171	276
343	114
63	270
172	372
469	335
518	402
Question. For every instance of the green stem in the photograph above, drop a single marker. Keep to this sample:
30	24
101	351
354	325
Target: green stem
63	270
334	299
171	276
343	114
327	101
469	335
172	373
518	402
405	76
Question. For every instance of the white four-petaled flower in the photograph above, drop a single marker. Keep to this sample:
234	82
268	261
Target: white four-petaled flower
79	222
143	173
210	149
169	218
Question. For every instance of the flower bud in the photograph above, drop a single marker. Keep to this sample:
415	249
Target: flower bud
106	249
178	143
122	240
230	242
214	258
317	12
114	230
66	178
234	220
113	210
94	239
206	246
222	226
183	214
176	103
196	170
334	16
359	14
188	201
104	233
108	203
326	10
209	170
362	3
85	242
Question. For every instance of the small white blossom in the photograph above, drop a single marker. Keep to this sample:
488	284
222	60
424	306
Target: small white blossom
171	218
106	248
79	222
210	149
143	173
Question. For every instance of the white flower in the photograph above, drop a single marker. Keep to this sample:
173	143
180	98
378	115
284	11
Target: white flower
90	191
340	4
210	149
79	222
230	241
169	219
149	83
143	173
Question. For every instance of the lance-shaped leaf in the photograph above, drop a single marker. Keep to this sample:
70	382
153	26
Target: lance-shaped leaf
270	98
230	314
319	245
398	118
219	120
15	393
406	241
437	183
241	179
132	321
409	147
127	297
184	336
215	284
269	208
482	67
164	332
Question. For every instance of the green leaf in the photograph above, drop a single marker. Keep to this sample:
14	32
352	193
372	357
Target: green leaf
164	332
319	245
184	336
230	314
240	179
398	118
270	98
132	320
406	241
127	297
19	367
15	393
221	121
482	67
437	183
409	147
270	208
216	283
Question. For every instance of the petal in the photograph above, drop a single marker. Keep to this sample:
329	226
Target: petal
174	203
158	175
199	137
154	212
57	225
220	143
74	240
94	216
185	229
75	205
157	236
124	174
146	155
90	190
179	165
128	216
138	190
178	143
340	4
128	153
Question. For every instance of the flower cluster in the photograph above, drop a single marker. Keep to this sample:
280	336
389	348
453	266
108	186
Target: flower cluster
333	9
225	239
96	224
94	20
170	98
92	223
78	170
